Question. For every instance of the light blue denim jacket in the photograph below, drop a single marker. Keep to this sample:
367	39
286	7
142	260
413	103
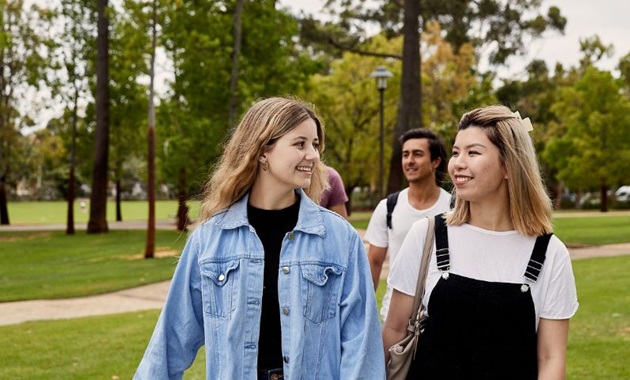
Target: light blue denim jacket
330	327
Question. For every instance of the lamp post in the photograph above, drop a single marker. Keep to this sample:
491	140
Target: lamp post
381	74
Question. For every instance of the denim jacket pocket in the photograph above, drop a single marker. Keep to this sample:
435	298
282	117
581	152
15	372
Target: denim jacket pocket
320	289
217	280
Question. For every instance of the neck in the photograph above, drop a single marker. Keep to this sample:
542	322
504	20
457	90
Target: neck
265	199
493	217
423	195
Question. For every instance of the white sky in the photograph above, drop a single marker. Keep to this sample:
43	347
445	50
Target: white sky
585	18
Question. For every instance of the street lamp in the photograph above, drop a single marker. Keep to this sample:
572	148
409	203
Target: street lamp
381	74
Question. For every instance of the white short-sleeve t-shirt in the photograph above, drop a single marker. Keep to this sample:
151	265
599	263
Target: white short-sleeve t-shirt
403	217
491	256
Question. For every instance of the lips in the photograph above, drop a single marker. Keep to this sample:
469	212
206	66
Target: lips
461	179
305	169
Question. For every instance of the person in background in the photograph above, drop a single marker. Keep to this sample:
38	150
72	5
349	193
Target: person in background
500	292
334	198
424	167
271	283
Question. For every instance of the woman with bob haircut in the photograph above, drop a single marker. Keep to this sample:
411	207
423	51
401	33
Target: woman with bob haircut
500	290
271	283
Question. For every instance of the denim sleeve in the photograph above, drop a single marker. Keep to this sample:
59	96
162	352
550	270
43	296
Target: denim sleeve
362	355
179	331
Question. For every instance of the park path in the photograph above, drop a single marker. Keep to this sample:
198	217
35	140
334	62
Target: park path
152	296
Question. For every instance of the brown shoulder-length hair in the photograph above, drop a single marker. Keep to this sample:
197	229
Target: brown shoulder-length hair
530	206
261	126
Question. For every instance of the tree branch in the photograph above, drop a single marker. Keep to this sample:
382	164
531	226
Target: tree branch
361	52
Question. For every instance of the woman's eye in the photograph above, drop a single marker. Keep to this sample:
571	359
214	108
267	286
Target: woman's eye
316	145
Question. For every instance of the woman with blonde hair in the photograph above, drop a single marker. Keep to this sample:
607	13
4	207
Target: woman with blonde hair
500	291
271	283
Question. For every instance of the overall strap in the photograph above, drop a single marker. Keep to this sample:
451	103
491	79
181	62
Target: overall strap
537	259
441	244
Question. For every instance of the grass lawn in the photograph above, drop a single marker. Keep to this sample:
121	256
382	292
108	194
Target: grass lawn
593	230
56	212
107	346
51	264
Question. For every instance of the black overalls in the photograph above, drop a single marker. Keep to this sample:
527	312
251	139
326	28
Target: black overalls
479	329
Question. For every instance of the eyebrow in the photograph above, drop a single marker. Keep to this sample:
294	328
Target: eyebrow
475	145
304	138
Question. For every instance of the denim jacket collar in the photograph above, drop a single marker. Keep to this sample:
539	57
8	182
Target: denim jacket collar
310	220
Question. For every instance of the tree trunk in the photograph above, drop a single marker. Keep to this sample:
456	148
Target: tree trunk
149	248
236	52
182	209
4	210
70	219
409	108
98	199
118	201
603	205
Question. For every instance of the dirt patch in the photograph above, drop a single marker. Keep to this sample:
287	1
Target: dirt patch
159	254
23	236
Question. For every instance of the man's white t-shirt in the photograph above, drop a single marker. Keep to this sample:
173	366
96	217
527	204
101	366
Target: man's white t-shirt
403	216
491	256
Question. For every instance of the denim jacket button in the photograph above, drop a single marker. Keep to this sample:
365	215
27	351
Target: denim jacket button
291	236
221	277
285	311
286	270
286	359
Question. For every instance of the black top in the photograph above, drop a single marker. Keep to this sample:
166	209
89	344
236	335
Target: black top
271	226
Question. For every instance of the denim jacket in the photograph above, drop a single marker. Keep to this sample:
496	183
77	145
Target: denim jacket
329	321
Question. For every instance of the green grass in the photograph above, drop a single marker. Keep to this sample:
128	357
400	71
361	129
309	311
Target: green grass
595	230
56	212
103	347
599	338
54	265
107	346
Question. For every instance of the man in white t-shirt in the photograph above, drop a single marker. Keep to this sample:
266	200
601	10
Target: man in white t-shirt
424	166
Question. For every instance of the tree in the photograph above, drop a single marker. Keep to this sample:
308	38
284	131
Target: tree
98	199
502	25
595	150
196	112
73	55
23	47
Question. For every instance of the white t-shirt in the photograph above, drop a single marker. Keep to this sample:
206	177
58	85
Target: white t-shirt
491	256
403	216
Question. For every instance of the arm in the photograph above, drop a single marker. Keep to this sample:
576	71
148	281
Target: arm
397	320
552	348
340	209
361	344
179	332
376	256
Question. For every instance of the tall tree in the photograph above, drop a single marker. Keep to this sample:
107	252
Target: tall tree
98	199
196	113
504	25
73	54
23	46
595	150
149	249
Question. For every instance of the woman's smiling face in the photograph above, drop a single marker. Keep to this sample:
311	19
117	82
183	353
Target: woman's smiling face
293	156
475	167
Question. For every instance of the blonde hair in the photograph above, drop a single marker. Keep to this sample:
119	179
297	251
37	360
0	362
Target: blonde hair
530	206
261	126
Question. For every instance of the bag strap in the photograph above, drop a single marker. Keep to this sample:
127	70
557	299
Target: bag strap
422	272
392	199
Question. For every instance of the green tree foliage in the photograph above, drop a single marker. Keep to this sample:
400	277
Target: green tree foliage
502	26
23	48
129	51
594	151
348	102
195	114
